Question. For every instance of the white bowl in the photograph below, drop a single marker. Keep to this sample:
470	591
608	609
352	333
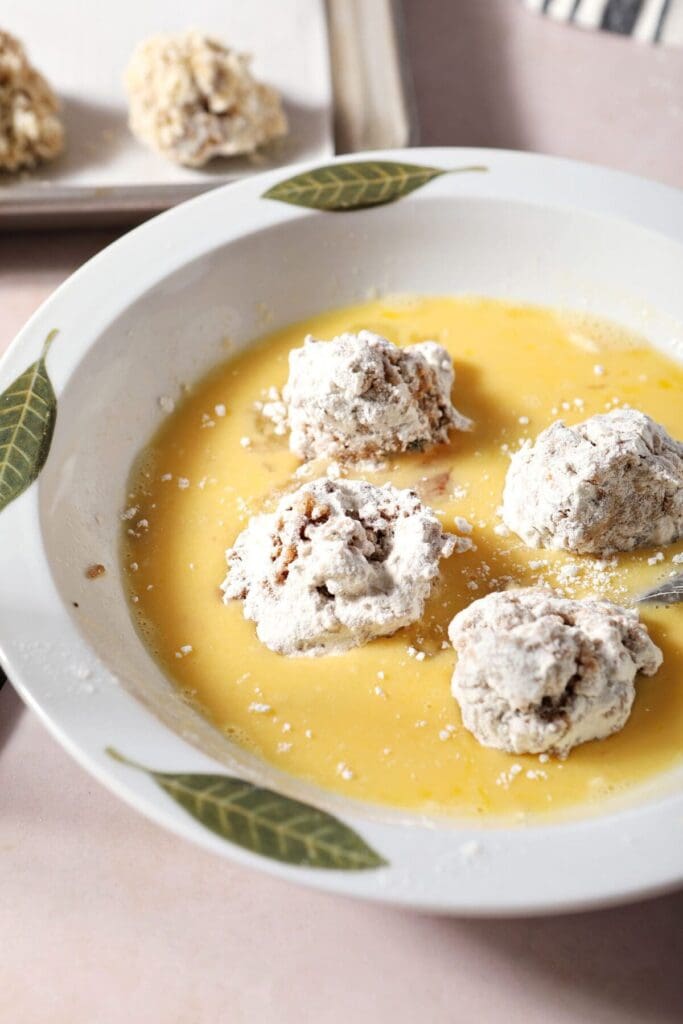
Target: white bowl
149	313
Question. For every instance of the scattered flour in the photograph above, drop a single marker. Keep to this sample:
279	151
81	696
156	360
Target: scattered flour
470	851
259	708
166	403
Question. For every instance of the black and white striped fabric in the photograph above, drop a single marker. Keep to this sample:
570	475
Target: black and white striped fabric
649	21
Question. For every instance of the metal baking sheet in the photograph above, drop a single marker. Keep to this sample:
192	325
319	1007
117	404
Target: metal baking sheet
337	63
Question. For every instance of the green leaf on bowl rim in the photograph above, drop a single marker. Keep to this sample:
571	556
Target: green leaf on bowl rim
28	409
667	592
357	184
264	821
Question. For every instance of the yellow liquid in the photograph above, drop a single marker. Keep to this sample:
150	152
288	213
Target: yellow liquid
377	724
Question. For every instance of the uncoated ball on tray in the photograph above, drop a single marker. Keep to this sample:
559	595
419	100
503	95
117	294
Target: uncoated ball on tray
30	128
192	99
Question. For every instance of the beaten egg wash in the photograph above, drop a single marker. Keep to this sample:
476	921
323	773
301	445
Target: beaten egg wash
379	723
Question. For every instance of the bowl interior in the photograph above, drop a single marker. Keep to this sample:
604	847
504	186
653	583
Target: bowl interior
188	321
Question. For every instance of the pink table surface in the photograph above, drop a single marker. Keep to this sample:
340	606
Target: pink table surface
105	919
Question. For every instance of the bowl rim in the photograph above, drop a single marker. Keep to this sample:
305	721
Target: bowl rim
641	850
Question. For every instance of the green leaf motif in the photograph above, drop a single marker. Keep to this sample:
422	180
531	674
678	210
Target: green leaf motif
668	592
356	185
265	822
28	409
